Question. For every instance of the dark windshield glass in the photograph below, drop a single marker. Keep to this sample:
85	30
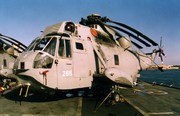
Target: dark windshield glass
42	43
61	50
50	48
32	45
68	48
42	61
64	48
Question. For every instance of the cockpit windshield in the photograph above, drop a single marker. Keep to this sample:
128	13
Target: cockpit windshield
46	44
50	48
40	45
33	43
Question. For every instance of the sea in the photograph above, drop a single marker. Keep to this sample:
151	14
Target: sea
169	78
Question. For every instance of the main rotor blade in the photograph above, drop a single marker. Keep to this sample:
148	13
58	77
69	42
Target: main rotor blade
103	27
14	40
135	31
137	45
10	45
4	42
13	43
132	35
117	33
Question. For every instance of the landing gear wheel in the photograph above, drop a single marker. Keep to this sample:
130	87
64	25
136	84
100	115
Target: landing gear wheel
116	97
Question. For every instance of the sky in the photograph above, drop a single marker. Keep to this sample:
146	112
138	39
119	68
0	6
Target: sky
24	19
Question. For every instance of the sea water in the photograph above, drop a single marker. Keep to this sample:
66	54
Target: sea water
169	78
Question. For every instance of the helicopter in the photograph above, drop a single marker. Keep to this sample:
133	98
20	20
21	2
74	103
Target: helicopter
10	49
92	53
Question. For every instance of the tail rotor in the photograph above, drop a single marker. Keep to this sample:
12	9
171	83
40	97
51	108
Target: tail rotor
161	51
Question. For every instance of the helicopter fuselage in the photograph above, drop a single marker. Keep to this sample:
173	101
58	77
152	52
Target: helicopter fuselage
73	57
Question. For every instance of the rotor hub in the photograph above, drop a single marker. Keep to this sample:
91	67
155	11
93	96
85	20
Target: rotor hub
93	17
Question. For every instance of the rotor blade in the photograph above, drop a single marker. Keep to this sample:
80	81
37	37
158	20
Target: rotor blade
13	43
161	58
161	43
132	35
159	55
162	46
163	54
135	31
101	23
10	45
103	27
4	42
137	45
14	40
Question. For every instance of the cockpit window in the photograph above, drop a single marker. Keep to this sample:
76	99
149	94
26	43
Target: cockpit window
46	44
50	48
68	48
61	50
42	60
64	48
32	45
42	44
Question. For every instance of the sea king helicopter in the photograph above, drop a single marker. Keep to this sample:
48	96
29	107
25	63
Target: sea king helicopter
92	53
10	49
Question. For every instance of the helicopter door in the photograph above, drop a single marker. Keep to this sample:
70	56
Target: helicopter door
80	60
81	64
64	65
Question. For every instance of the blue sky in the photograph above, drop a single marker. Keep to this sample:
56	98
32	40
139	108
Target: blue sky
24	19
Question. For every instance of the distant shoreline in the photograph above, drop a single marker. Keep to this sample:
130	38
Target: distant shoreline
155	67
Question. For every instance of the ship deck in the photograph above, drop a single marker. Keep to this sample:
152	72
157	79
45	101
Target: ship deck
144	99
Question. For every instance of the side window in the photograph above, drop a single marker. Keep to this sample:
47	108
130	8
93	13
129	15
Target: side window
68	48
79	46
61	50
4	63
116	60
64	48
